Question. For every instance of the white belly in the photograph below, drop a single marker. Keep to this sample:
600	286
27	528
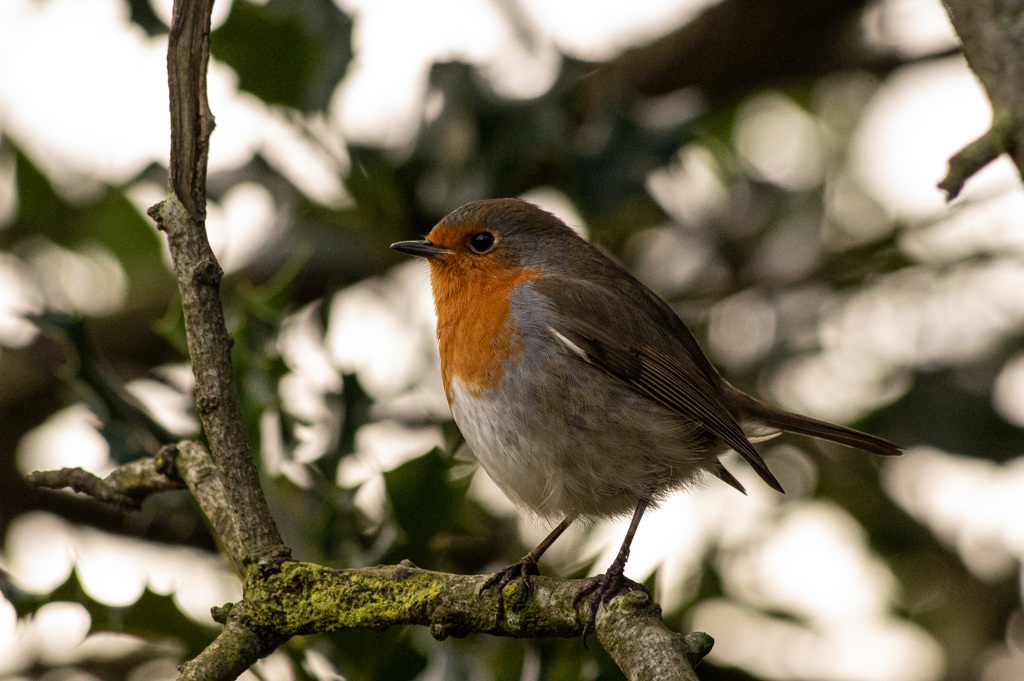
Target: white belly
587	445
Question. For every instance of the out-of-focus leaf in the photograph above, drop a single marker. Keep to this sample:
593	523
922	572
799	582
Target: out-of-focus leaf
26	604
286	52
114	221
142	14
152	616
41	210
171	327
425	502
269	299
378	656
356	405
129	429
156	617
599	157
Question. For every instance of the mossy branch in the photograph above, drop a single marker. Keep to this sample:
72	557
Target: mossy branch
303	598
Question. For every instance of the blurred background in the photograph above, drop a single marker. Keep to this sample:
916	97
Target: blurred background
769	168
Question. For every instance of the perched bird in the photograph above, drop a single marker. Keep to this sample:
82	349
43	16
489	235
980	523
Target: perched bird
580	391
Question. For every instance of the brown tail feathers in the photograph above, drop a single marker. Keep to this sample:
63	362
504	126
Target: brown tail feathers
781	419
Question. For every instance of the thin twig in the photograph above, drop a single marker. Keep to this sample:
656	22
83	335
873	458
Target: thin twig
978	154
993	44
125	487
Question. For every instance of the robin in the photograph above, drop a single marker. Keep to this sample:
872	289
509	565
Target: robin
580	391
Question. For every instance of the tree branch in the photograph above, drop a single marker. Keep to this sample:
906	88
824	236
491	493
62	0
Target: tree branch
235	649
734	46
292	599
303	598
993	45
642	646
184	465
194	465
978	154
125	487
182	217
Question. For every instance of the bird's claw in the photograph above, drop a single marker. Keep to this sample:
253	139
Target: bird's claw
601	590
525	568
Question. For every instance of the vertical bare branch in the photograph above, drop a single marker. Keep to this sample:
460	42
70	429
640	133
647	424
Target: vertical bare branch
188	54
182	217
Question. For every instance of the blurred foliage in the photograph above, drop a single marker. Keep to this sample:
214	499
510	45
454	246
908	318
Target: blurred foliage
591	138
153	617
304	50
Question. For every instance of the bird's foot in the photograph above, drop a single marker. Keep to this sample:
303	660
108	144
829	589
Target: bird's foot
525	568
601	590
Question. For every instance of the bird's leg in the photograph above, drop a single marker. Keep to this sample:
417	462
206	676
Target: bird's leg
607	585
525	567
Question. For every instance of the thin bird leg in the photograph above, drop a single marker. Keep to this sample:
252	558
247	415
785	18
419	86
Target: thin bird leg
526	567
607	585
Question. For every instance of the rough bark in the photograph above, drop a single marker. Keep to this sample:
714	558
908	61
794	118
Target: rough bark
992	38
182	217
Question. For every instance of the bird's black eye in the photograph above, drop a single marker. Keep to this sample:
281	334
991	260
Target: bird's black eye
481	242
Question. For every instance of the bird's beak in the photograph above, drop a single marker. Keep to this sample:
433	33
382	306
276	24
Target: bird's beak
426	249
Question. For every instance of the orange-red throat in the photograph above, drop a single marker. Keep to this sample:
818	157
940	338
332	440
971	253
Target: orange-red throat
476	334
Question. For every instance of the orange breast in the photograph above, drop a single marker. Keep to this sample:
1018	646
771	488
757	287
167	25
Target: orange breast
475	333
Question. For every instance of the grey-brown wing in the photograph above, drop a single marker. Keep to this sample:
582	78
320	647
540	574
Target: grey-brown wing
666	380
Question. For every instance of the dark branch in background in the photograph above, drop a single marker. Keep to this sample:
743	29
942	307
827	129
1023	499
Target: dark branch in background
993	44
182	217
782	41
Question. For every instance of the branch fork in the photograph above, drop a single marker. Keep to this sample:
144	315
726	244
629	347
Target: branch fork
284	598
